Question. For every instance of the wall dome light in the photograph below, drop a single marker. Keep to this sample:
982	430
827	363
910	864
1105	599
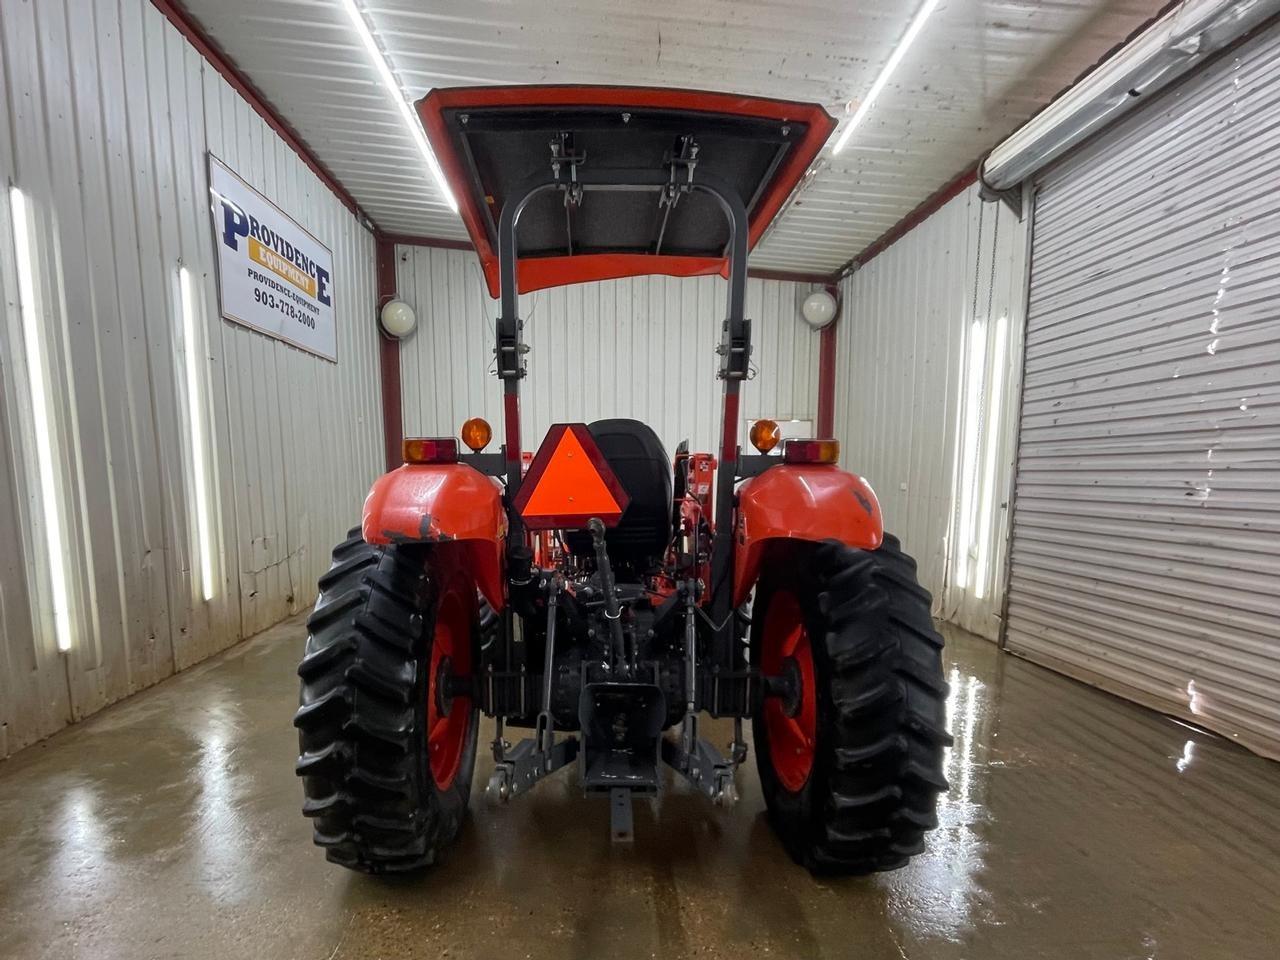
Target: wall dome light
398	319
818	309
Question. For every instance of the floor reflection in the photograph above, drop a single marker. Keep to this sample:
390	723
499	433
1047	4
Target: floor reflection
1077	826
940	894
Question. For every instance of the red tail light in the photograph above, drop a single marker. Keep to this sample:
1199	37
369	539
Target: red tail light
430	450
811	451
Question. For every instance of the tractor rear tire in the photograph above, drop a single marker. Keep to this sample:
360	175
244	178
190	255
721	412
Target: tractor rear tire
387	746
851	768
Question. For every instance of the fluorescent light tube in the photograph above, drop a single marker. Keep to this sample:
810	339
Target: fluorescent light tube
966	491
1187	35
994	427
895	58
42	427
195	415
406	111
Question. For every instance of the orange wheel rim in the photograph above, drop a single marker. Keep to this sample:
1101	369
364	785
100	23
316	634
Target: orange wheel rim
792	733
448	718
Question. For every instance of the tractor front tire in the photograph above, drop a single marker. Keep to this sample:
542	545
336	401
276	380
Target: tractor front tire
851	763
387	741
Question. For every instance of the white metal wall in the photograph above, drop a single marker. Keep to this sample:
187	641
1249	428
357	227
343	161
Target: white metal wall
1146	546
642	347
901	386
105	117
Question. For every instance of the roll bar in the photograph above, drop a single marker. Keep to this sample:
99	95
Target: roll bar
734	349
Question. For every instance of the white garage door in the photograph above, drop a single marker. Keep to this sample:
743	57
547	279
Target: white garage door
1146	533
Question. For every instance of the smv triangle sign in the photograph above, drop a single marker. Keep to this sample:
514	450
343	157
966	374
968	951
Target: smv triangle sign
569	482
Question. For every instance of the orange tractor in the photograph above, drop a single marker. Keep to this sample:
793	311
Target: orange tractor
608	597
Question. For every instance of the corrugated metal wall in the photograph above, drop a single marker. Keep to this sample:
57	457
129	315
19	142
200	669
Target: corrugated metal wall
105	118
641	347
1146	547
902	381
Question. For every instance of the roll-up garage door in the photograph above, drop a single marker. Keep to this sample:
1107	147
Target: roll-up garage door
1146	530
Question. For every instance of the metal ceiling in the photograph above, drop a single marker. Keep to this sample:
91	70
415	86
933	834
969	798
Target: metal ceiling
978	70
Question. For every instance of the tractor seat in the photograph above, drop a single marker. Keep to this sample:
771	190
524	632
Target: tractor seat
634	452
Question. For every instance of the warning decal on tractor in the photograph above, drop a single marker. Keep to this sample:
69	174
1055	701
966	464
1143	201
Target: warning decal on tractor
569	482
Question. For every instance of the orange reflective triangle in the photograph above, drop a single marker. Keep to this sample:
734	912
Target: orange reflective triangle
569	482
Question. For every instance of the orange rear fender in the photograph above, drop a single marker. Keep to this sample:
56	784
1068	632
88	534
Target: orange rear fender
452	505
809	502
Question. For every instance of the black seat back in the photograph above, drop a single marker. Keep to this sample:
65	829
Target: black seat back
634	452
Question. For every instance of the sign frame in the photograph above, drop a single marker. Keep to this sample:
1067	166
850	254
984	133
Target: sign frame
543	459
215	222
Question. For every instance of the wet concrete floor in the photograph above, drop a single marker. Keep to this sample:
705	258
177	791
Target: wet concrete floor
1078	826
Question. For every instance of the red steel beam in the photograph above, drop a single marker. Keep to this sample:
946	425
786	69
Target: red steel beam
389	358
827	369
443	243
787	276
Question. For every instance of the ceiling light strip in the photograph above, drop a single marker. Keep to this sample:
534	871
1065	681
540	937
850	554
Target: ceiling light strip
406	111
895	58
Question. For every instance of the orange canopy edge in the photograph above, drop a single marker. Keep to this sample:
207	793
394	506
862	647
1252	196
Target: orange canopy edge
536	273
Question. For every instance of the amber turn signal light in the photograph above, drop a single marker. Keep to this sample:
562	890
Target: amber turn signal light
430	450
811	451
765	435
476	434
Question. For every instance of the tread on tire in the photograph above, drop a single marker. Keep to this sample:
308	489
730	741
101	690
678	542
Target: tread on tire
877	755
369	790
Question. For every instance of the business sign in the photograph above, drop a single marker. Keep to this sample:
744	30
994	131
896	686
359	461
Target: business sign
273	275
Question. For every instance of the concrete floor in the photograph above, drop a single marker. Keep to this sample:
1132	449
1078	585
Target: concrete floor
1077	826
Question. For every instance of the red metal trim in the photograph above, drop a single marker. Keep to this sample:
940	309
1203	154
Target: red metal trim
921	213
218	59
533	274
729	432
447	243
389	357
443	243
431	110
786	276
511	424
542	272
675	266
827	369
